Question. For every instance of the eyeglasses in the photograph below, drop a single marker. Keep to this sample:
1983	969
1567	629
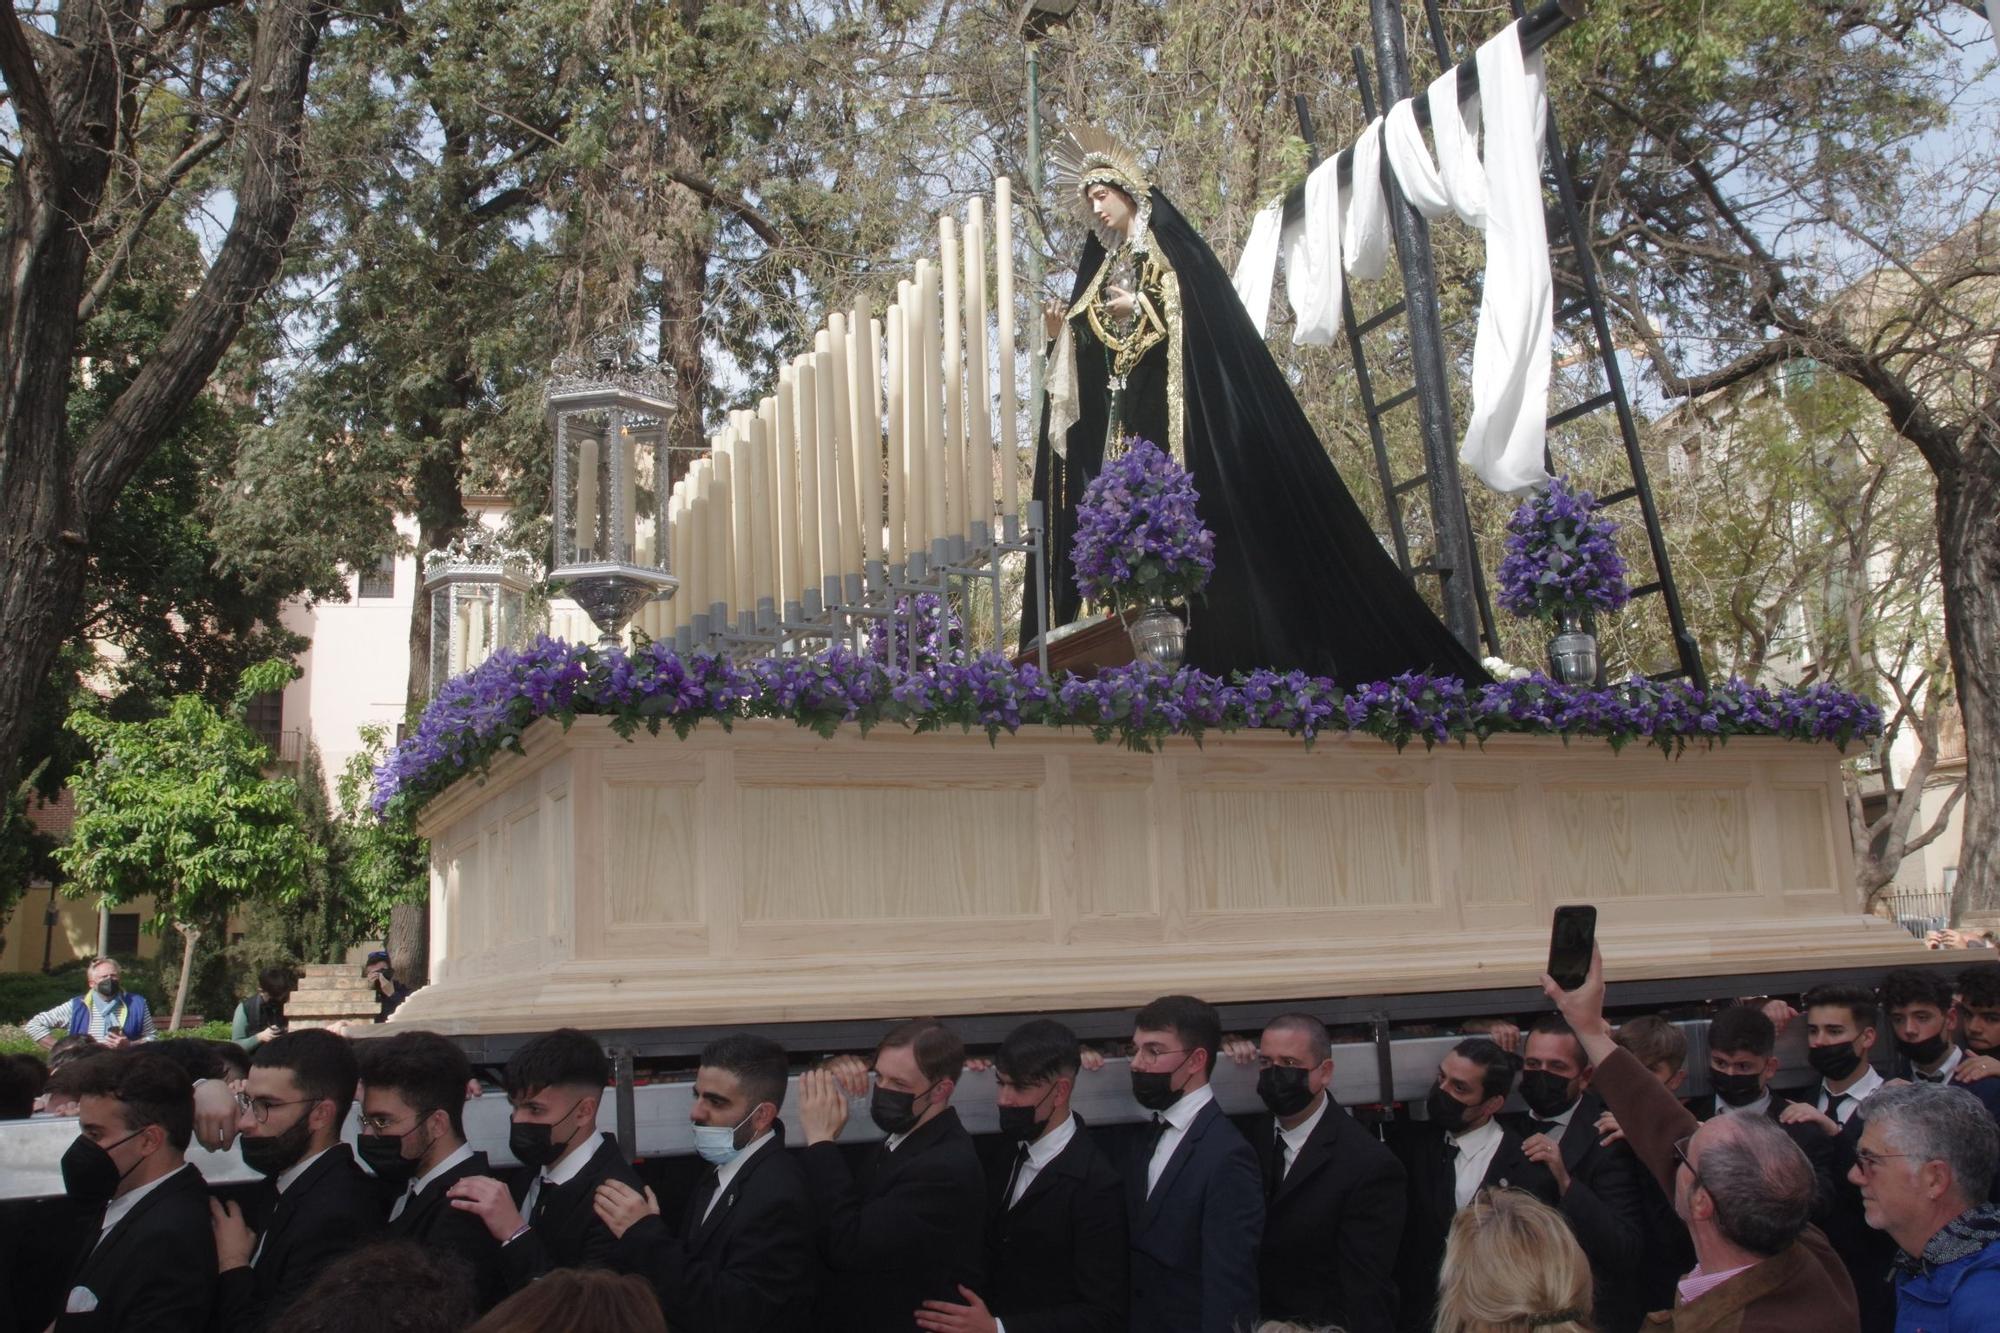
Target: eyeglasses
1868	1160
379	1124
1681	1147
260	1108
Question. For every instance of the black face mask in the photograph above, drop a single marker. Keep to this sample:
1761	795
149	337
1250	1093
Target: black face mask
1736	1089
383	1154
534	1145
1285	1089
1547	1094
278	1153
89	1175
1447	1112
1154	1088
895	1112
108	987
1926	1052
1018	1123
1834	1062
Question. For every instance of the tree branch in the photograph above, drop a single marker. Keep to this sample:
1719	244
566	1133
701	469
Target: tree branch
41	140
728	202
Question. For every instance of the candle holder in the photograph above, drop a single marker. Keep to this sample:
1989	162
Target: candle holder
609	414
482	597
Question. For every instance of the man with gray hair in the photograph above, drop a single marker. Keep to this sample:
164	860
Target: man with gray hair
1739	1182
1925	1165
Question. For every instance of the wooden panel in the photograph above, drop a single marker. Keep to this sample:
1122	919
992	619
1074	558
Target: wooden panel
649	866
1800	825
1306	847
525	884
1492	846
554	923
888	852
1112	867
1628	842
467	882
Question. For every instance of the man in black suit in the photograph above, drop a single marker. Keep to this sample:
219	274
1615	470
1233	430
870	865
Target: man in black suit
413	1138
1603	1194
543	1219
1461	1149
1055	1234
910	1227
1335	1195
743	1261
1742	1058
149	1264
318	1205
1193	1195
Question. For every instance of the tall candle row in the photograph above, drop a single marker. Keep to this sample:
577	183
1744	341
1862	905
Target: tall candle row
878	445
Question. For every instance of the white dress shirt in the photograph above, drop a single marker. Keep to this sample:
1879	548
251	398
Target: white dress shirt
1178	1117
115	1211
1858	1092
1953	1058
727	1171
564	1171
463	1153
1040	1153
1475	1153
1292	1142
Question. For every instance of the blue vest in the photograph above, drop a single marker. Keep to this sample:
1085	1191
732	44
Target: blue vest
132	1023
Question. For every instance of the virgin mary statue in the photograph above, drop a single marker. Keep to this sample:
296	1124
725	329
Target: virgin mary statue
1154	343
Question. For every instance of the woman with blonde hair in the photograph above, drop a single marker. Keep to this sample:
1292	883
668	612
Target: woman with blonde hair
1511	1265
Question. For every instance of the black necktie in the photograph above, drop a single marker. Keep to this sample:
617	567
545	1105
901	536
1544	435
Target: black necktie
1014	1177
1834	1101
1274	1170
1159	1132
548	1187
1541	1126
1922	1077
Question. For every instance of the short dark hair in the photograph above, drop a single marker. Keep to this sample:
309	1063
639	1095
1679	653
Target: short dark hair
392	1286
565	1058
761	1067
1040	1050
1318	1039
1857	1001
940	1052
1496	1067
322	1063
428	1070
277	980
578	1300
1555	1025
1654	1040
235	1060
1980	985
74	1047
194	1057
151	1089
1915	985
1193	1020
22	1077
1742	1029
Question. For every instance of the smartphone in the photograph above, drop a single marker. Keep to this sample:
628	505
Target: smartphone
1572	936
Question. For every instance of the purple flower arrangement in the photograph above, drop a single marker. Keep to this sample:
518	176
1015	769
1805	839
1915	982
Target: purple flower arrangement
1562	556
1138	537
482	714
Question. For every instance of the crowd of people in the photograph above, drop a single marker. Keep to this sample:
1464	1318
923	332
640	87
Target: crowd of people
1864	1205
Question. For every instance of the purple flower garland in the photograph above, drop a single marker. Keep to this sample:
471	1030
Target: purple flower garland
1137	533
1562	555
483	713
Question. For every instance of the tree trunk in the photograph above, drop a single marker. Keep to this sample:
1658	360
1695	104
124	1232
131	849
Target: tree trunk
1968	506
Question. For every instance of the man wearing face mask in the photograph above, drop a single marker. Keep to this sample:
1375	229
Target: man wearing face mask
1602	1194
1742	1058
544	1219
1335	1196
1460	1149
151	1264
1919	1008
908	1227
318	1204
1193	1195
413	1138
743	1259
107	1012
1055	1235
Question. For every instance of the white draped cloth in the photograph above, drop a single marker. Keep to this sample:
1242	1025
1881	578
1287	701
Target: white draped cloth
1313	259
1256	267
1364	240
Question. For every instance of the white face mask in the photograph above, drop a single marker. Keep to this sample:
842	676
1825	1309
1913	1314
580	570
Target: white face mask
716	1144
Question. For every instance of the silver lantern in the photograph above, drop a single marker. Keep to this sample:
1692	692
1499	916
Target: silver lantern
482	597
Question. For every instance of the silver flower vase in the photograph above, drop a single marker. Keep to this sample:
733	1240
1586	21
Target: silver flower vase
1573	650
1158	635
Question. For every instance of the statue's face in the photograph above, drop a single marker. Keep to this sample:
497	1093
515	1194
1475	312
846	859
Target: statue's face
1112	207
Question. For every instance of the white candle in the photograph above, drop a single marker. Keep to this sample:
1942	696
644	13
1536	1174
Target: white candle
870	384
978	398
586	500
718	525
674	566
459	638
956	511
785	457
763	553
475	633
691	540
933	369
847	529
1003	260
829	468
897	462
741	599
810	566
628	496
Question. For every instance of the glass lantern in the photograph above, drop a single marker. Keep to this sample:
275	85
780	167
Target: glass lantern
482	597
